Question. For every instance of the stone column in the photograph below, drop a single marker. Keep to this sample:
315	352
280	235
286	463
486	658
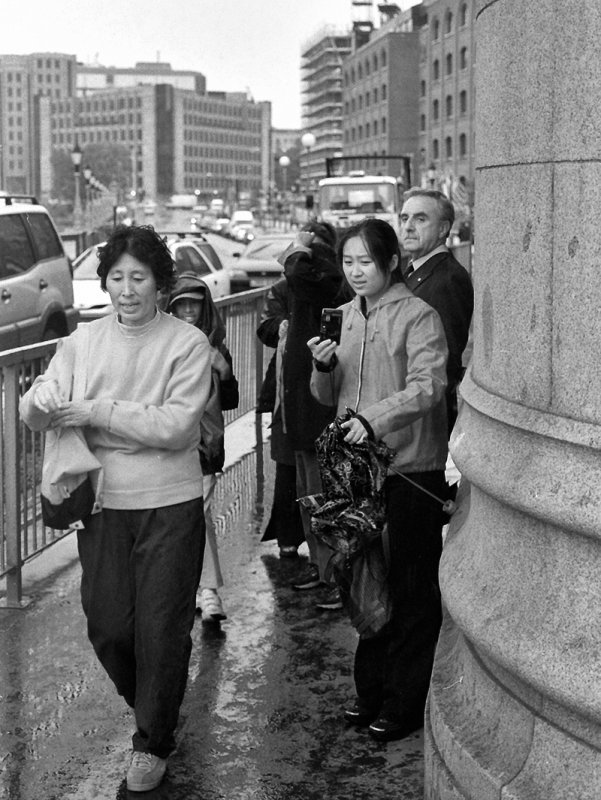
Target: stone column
515	701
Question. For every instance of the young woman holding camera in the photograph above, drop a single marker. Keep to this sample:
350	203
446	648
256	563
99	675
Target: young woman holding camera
390	369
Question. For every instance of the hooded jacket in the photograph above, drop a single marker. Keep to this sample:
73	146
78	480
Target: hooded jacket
314	281
391	370
224	392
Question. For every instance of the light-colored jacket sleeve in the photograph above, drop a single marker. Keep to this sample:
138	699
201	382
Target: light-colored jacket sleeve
426	377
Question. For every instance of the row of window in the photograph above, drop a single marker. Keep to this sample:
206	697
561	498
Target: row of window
89	120
366	67
97	106
448	22
448	66
40	63
97	136
448	108
224	160
374	128
219	137
194	121
448	146
356	104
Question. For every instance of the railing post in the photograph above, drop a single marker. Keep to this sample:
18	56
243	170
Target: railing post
12	487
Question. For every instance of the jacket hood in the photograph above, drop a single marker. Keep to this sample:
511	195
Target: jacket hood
394	293
210	323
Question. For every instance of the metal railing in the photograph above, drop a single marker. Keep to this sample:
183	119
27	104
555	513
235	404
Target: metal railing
22	532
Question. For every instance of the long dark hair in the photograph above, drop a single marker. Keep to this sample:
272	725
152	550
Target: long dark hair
381	242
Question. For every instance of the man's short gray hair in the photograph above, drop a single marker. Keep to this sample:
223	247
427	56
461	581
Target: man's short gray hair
445	207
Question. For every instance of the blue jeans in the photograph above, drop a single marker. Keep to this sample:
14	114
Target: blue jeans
140	572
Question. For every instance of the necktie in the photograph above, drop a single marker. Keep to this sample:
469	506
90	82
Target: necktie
410	270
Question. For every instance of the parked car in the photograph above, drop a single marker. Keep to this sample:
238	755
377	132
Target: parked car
242	226
259	258
189	255
36	293
239	280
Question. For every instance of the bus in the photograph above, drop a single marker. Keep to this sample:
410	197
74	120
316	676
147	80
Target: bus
347	199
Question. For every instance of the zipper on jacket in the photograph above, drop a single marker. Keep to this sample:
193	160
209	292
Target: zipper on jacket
361	358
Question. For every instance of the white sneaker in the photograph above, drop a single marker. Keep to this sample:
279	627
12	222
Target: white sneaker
210	605
145	772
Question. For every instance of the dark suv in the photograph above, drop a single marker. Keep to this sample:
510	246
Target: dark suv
36	289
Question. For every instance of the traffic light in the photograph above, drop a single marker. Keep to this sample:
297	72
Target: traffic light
309	202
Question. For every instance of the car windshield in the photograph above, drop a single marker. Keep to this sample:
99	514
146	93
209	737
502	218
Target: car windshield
261	249
85	270
362	198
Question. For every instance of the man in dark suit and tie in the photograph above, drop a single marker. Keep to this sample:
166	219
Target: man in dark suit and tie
435	275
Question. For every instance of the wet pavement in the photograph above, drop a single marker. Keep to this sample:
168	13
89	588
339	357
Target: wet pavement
261	719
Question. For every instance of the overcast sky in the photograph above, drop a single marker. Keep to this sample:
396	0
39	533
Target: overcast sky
236	44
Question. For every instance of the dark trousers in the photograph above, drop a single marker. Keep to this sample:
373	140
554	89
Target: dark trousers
392	669
285	523
140	574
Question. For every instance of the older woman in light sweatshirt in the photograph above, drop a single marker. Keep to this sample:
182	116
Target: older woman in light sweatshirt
148	380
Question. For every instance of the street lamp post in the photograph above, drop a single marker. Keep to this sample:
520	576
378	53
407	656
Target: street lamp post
284	163
308	141
87	174
76	155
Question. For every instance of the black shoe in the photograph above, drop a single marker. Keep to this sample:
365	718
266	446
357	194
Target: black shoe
389	730
330	599
359	716
309	579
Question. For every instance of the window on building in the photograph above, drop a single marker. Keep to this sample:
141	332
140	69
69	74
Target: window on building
435	150
383	91
353	134
422	88
463	102
449	64
367	70
436	70
449	105
360	102
367	130
352	75
463	15
463	58
383	58
435	109
375	127
375	61
376	94
367	99
448	22
435	29
448	144
422	122
359	71
383	124
352	103
360	132
463	145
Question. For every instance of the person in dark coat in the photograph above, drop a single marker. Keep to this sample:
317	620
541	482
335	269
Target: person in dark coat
434	275
285	523
314	281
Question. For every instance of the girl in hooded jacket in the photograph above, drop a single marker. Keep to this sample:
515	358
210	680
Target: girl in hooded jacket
390	369
191	302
